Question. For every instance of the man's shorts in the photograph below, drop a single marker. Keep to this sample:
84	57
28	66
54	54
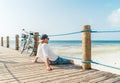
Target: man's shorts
60	61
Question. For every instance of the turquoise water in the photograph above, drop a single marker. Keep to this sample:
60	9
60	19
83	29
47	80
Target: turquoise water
79	42
66	43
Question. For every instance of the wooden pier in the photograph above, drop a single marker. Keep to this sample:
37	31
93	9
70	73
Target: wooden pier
18	68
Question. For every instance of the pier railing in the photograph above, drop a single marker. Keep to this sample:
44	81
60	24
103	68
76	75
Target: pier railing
6	42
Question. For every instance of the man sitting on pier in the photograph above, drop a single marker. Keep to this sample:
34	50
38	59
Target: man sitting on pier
48	56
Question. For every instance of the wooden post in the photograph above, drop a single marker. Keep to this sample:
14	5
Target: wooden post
2	41
36	40
86	47
7	41
17	42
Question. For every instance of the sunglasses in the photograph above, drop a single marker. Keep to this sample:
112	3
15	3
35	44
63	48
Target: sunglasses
47	38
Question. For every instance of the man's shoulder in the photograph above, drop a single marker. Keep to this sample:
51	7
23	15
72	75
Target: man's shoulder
44	45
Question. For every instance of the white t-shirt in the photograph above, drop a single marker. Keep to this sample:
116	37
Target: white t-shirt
44	51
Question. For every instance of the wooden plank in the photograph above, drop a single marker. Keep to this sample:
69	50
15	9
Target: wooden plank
88	77
66	76
27	76
117	81
52	75
69	77
105	77
111	80
79	78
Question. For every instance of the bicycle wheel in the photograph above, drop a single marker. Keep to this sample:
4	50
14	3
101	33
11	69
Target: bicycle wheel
30	46
22	45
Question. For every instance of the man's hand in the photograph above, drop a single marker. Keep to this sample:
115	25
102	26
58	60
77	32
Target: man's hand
48	65
49	68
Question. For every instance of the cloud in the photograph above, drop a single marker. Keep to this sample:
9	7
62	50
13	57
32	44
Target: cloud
114	18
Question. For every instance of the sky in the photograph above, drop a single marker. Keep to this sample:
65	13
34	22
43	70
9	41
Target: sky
60	16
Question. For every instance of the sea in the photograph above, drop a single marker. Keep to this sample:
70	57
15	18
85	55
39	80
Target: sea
79	42
74	47
75	43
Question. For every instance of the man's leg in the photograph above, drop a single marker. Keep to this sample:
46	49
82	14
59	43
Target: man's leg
35	60
64	61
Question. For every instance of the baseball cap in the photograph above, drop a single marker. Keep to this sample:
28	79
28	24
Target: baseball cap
44	36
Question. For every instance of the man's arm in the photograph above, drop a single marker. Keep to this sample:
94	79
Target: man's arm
47	64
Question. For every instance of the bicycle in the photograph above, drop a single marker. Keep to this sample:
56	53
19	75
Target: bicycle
27	42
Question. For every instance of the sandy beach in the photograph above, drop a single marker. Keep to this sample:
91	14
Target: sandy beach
107	55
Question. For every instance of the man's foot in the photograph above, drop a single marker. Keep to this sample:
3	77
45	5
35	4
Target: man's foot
49	68
72	62
34	61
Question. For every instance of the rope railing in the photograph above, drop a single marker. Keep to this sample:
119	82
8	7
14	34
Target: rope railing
114	31
90	61
77	32
72	33
66	34
92	31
